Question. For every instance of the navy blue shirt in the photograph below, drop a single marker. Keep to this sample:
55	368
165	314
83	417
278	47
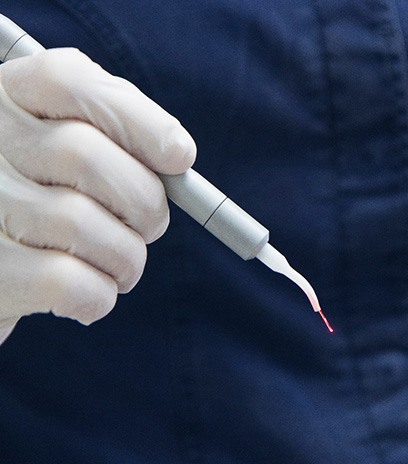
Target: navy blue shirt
299	111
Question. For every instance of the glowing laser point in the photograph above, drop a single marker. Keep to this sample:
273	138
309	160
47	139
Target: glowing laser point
326	321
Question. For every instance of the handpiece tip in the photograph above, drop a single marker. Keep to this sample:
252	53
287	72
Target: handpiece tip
326	321
278	263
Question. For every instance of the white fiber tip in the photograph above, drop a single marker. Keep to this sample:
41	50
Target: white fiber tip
275	260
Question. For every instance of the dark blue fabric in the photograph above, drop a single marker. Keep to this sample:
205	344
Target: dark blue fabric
299	110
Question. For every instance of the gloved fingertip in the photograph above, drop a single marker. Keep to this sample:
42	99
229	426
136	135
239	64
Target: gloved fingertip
181	152
188	150
84	322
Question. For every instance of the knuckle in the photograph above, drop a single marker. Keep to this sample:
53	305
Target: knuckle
132	258
62	64
160	226
72	133
77	290
73	140
60	280
72	212
62	71
179	148
154	211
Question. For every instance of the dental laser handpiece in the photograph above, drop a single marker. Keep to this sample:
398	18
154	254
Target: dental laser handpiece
192	192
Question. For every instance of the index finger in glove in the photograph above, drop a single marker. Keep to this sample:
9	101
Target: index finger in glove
65	84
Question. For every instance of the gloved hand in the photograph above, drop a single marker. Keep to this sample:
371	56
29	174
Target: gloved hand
79	197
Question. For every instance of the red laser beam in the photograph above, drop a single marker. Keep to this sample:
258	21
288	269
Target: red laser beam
326	321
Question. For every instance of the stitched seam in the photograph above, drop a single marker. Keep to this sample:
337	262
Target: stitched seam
109	39
336	156
395	62
184	377
402	99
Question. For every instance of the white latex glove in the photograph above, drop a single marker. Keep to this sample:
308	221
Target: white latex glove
79	199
